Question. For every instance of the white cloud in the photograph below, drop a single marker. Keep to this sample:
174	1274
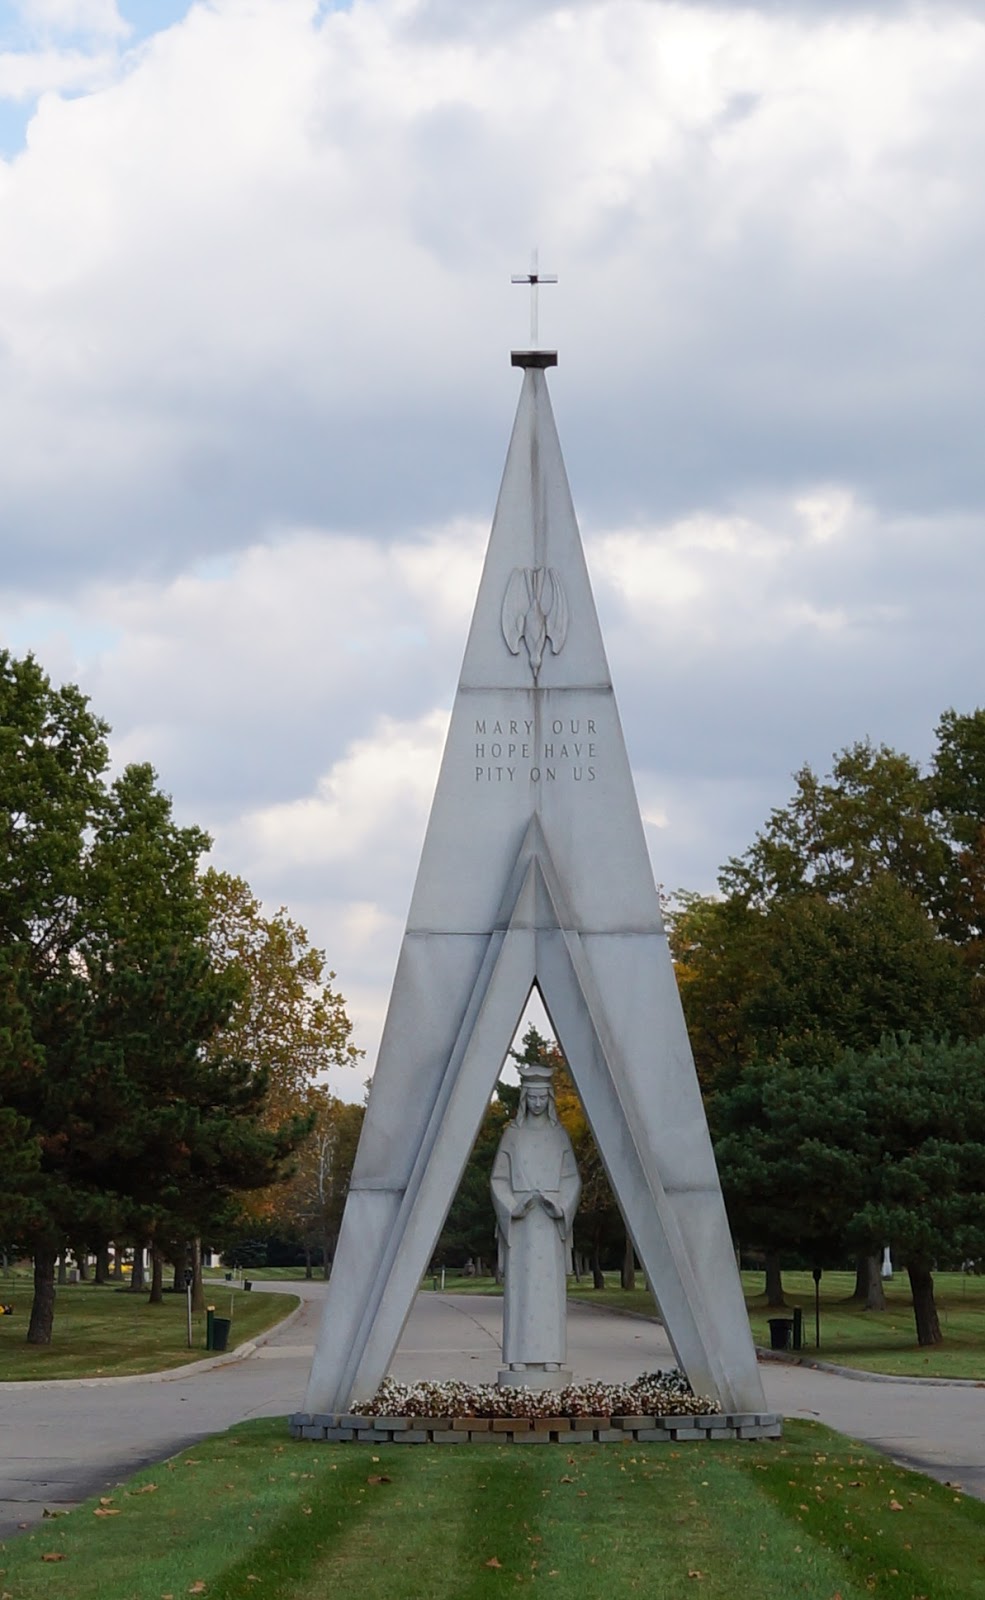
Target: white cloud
368	807
265	266
99	17
294	697
26	74
60	47
358	834
712	575
254	395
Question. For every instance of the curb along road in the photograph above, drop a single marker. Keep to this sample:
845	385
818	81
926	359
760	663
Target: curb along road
167	1374
780	1358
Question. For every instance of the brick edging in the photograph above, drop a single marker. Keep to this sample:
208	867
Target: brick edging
349	1428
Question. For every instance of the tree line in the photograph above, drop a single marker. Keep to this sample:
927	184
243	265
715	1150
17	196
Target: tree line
835	996
160	1039
163	1042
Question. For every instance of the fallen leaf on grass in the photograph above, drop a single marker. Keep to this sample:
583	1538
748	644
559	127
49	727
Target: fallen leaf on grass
147	1488
198	1587
54	1555
894	1505
566	1479
492	1562
379	1477
106	1511
693	1572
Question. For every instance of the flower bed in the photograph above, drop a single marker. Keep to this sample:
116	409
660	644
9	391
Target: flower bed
653	1393
657	1408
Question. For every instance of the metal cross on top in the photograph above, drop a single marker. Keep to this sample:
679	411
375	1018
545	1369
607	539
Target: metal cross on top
534	278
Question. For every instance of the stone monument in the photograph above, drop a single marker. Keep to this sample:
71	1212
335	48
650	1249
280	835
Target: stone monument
534	873
535	1188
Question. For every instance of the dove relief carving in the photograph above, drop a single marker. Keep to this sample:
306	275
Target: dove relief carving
535	613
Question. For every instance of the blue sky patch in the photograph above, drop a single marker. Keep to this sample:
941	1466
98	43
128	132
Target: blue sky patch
35	627
145	17
151	16
14	118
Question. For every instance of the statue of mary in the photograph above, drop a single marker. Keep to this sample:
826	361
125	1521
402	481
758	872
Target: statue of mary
535	1189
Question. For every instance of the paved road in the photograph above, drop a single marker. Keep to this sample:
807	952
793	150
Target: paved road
60	1442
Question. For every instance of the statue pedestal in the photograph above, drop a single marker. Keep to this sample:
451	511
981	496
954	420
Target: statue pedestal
533	1377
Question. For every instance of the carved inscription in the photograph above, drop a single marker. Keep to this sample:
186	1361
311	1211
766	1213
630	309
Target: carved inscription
515	750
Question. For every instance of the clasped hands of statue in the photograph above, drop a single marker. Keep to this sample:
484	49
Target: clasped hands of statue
537	1199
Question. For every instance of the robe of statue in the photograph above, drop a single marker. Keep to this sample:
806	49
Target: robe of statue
535	1189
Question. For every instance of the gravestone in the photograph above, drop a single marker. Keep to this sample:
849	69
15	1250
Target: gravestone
534	873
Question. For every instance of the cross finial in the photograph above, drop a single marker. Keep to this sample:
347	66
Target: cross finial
534	278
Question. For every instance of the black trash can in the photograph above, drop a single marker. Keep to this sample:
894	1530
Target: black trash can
780	1330
247	1283
220	1332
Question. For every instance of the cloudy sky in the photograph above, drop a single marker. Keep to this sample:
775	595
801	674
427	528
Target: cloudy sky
255	394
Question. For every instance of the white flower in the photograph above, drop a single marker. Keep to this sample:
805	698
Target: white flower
653	1394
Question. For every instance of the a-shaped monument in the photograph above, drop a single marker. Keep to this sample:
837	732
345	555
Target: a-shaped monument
534	871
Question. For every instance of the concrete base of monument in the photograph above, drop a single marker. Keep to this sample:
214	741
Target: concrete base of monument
350	1429
530	1377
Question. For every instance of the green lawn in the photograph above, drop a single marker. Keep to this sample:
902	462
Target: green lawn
884	1341
876	1341
106	1332
251	1513
263	1274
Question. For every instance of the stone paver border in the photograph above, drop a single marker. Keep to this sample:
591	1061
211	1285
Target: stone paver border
353	1428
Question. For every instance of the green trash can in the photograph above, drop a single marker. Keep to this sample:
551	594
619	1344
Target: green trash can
220	1332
